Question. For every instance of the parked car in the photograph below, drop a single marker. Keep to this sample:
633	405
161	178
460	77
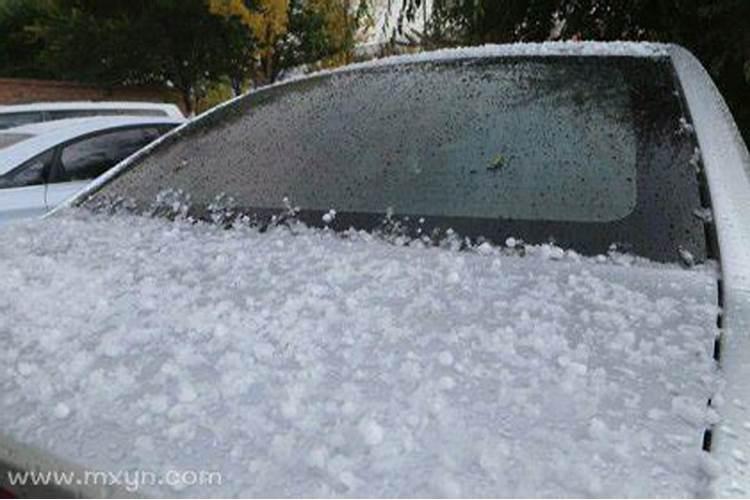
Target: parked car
23	114
43	164
503	271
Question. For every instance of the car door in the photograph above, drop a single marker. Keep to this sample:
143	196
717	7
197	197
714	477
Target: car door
22	190
86	158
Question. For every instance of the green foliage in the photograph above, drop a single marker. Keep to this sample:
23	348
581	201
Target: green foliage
179	43
113	42
174	42
19	44
307	39
318	33
296	32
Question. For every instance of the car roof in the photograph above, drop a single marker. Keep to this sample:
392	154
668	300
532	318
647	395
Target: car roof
545	49
171	109
47	135
85	124
520	49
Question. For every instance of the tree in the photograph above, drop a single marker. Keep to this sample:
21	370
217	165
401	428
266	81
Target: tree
178	43
721	40
340	21
19	45
295	32
267	21
189	45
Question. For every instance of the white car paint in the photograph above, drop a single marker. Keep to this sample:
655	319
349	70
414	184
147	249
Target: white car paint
30	201
35	201
45	111
727	165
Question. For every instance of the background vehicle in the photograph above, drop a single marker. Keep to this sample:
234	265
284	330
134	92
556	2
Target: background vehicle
349	365
43	164
24	114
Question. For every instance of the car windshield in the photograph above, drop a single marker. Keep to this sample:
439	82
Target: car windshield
586	152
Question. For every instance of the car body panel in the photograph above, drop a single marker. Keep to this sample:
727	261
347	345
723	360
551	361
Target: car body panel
727	168
60	191
21	203
34	201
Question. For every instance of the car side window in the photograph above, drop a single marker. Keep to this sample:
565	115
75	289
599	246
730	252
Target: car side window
94	155
31	173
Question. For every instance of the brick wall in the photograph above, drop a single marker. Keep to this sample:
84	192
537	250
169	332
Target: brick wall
21	91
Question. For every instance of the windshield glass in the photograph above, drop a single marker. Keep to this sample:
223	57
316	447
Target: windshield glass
510	141
578	150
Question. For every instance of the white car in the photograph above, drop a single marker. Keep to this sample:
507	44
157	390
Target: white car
44	163
22	114
506	271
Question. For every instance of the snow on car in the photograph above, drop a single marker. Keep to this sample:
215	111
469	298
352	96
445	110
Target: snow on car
309	365
504	271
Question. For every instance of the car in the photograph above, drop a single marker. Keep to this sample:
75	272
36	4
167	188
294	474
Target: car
15	115
43	164
515	270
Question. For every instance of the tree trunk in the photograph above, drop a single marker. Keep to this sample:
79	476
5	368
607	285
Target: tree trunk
236	83
188	100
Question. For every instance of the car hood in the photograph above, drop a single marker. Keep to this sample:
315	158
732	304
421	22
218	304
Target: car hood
311	364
